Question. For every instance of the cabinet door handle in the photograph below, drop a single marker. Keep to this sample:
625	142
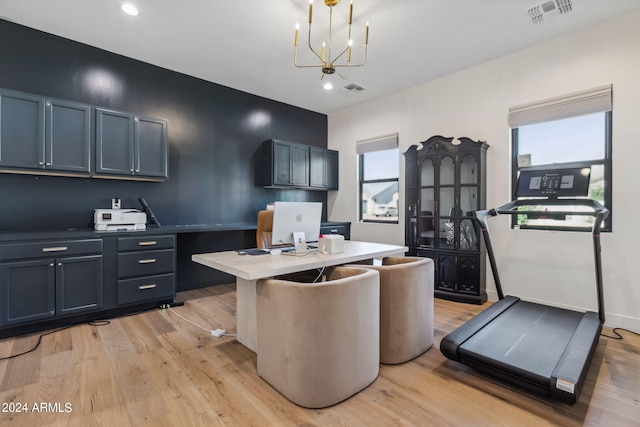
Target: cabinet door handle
144	287
148	243
146	261
55	249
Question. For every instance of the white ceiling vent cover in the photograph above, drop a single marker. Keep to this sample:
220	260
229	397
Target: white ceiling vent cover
351	89
543	11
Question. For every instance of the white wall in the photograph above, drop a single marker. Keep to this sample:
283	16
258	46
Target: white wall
545	266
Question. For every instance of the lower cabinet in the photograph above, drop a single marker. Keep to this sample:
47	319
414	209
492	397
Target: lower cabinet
146	268
333	227
42	280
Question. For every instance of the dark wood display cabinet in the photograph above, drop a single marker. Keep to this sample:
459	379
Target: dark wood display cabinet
445	184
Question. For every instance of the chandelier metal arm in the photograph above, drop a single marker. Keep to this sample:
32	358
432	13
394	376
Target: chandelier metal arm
309	43
327	64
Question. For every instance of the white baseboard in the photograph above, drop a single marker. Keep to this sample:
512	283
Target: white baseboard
612	320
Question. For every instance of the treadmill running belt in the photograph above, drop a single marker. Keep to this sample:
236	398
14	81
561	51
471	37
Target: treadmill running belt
528	339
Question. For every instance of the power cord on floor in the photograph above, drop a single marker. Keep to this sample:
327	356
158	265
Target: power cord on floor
37	343
214	332
97	322
618	336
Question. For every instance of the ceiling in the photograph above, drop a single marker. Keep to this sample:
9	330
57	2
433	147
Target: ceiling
248	44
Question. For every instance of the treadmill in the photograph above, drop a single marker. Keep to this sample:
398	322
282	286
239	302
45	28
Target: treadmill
543	349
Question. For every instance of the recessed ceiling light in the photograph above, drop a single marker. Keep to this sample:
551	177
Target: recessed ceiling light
327	86
130	9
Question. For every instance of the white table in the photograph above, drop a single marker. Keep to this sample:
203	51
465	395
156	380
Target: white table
249	268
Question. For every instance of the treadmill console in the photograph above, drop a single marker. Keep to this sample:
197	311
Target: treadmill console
552	183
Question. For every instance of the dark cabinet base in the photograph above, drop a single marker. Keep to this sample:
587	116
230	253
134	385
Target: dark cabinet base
457	297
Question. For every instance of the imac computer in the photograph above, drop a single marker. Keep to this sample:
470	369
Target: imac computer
296	219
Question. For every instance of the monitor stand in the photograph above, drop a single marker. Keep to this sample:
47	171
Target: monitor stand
300	242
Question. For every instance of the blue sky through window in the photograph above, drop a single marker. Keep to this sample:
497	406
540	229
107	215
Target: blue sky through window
568	140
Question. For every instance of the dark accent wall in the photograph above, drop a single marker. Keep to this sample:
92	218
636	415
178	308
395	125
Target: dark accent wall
214	132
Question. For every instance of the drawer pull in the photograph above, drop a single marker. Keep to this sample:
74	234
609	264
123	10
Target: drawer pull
148	243
143	287
55	249
146	261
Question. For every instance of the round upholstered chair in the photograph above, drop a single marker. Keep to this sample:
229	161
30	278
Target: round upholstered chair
406	307
319	343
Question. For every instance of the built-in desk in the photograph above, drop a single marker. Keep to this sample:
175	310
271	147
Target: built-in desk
248	269
115	271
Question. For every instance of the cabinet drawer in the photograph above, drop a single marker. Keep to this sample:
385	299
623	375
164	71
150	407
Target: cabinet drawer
335	229
143	243
146	288
145	263
49	249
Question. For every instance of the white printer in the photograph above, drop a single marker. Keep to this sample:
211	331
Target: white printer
119	220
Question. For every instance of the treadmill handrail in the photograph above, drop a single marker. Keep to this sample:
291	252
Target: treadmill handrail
599	212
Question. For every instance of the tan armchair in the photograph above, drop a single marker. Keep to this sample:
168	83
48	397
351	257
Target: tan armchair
406	307
319	343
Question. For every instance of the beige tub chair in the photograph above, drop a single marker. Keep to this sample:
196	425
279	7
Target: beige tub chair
319	343
406	307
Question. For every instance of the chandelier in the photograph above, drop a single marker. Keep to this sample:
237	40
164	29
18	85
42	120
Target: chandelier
328	63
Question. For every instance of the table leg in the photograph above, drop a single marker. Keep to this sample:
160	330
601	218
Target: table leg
246	316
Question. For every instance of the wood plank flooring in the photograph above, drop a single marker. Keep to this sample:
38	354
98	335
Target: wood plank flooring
155	369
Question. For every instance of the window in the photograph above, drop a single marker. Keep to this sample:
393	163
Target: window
574	130
379	165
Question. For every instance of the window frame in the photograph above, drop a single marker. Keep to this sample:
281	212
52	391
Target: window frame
362	182
607	225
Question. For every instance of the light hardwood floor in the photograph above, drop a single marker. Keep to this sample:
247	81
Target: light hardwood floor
154	369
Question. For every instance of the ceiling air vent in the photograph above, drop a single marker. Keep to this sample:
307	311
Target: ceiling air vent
351	89
543	11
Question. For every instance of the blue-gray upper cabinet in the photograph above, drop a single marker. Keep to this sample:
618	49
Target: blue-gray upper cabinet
151	147
44	136
282	164
323	168
130	147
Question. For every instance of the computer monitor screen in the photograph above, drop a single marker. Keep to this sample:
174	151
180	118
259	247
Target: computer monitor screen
293	217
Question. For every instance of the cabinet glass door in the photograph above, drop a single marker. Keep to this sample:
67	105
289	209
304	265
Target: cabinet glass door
447	171
447	233
446	194
427	173
469	170
468	200
427	212
468	235
426	217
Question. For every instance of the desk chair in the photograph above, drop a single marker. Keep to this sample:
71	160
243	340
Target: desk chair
264	229
319	344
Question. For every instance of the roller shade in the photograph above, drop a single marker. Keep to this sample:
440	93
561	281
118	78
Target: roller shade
386	142
575	104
